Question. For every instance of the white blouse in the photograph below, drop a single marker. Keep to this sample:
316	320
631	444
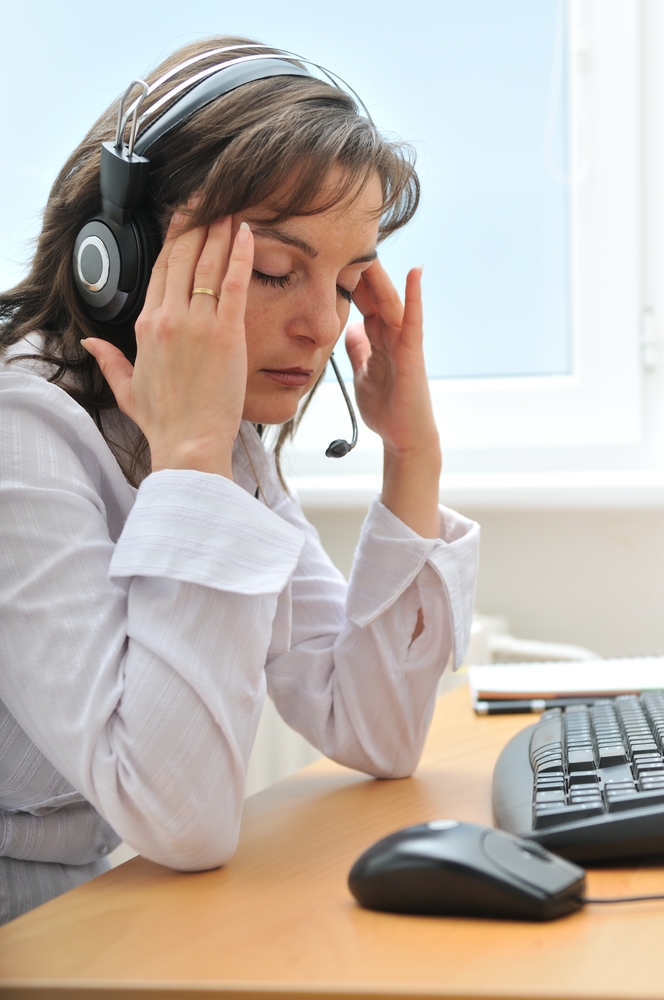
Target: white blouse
140	632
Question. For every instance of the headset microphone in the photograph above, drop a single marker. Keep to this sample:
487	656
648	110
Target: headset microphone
339	448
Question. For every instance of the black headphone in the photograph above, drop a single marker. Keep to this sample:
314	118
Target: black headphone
115	251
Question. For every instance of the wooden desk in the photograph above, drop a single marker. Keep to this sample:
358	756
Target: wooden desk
278	920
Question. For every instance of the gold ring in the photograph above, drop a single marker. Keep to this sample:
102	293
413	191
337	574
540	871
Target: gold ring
205	291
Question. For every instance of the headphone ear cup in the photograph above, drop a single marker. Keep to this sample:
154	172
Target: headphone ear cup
112	266
97	269
148	243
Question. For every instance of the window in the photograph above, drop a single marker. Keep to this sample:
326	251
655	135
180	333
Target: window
586	410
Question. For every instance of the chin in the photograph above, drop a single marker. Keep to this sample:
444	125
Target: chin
272	412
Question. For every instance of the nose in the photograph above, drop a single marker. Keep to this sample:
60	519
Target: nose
317	317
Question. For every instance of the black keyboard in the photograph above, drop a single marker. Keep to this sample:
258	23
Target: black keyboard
587	782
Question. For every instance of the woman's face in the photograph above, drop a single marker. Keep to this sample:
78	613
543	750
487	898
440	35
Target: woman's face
305	270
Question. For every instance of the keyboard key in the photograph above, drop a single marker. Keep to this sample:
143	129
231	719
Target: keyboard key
583	778
637	800
546	734
543	797
609	737
649	768
548	753
585	792
570	814
621	772
610	756
642	747
553	766
580	760
558	787
613	791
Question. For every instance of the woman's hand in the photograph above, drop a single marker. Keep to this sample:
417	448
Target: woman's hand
186	390
392	392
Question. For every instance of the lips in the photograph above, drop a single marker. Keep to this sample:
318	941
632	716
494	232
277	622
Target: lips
289	376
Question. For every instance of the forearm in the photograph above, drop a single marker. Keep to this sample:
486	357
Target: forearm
374	719
410	487
354	683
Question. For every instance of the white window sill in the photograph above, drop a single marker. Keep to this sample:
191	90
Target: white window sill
521	490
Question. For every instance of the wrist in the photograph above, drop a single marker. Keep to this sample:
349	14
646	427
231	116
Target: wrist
199	455
411	482
424	460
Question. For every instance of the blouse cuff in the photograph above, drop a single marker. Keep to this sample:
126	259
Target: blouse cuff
390	555
205	529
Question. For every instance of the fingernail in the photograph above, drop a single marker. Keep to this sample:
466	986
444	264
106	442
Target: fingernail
83	342
243	233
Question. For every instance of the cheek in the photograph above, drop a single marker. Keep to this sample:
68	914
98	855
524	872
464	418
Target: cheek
262	318
254	325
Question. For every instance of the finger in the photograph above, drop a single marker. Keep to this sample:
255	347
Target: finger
358	347
115	368
157	285
211	264
412	332
387	299
233	300
374	324
364	300
181	267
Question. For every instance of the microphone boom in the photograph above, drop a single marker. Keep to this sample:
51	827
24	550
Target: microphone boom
339	448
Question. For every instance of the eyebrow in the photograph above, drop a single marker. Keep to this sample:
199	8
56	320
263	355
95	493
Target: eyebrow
273	233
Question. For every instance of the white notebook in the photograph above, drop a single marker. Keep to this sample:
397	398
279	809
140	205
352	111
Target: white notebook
588	678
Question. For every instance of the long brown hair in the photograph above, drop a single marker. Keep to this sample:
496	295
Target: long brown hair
279	136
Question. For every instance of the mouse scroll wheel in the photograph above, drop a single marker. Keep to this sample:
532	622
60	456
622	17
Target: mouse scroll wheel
536	851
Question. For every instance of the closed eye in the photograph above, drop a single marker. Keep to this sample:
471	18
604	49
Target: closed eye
282	280
273	280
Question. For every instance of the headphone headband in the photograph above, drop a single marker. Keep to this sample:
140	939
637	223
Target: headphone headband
292	59
205	87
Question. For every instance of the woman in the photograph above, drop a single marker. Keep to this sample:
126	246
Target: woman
157	578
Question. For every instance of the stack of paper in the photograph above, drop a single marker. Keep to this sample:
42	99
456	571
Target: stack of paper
544	682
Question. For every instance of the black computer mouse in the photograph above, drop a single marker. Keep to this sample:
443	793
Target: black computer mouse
461	869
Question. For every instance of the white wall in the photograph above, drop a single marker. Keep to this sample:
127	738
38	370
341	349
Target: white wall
591	578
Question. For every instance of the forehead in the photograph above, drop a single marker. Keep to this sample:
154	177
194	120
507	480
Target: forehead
352	220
